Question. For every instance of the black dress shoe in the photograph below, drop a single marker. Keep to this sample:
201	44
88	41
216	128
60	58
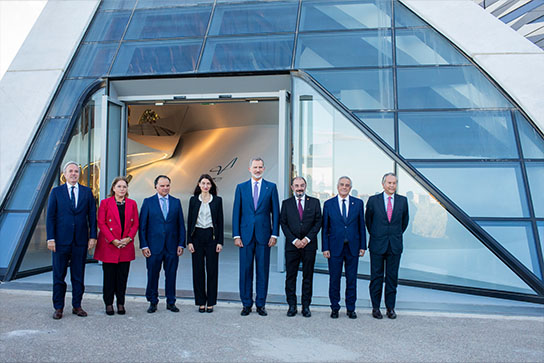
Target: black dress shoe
292	311
172	307
351	314
261	311
306	312
121	309
109	310
201	309
246	310
57	314
334	314
79	312
152	308
209	309
391	314
376	313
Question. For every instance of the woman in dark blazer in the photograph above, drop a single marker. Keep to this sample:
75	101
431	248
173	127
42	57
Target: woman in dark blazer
205	241
118	224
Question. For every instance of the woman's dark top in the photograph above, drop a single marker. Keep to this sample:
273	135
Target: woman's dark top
216	209
121	209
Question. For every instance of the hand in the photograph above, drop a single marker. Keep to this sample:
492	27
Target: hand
361	253
218	248
146	252
238	242
299	244
92	243
51	246
116	243
180	250
125	241
327	254
191	247
304	242
272	241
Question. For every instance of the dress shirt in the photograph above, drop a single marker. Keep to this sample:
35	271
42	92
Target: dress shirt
76	191
340	204
204	219
303	202
385	200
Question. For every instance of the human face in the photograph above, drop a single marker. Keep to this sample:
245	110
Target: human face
120	189
344	187
71	173
256	169
163	187
298	187
205	185
390	185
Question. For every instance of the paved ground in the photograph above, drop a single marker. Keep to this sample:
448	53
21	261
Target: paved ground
28	333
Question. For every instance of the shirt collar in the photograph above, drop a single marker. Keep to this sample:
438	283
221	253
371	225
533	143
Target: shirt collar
160	196
70	186
303	197
340	198
385	196
209	201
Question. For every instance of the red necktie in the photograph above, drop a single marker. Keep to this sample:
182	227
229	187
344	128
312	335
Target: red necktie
389	209
300	209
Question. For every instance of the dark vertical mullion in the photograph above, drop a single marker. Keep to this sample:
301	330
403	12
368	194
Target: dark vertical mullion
297	25
204	40
394	69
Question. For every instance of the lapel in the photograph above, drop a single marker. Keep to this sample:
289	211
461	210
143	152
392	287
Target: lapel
384	209
337	207
158	205
295	205
351	209
264	189
65	194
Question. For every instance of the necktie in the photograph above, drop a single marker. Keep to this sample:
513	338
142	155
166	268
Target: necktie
300	208
389	209
73	197
164	207
255	195
344	213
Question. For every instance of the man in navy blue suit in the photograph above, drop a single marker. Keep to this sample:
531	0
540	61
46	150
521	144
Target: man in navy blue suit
344	241
255	228
162	240
386	220
71	230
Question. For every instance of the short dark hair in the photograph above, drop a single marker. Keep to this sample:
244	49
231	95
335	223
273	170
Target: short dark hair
213	189
114	183
161	176
298	177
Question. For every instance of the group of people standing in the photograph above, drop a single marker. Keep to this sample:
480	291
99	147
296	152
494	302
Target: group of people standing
256	220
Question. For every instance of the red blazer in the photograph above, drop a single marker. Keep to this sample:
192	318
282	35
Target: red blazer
109	224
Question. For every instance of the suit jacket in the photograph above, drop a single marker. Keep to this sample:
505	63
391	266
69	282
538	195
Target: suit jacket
246	220
65	224
293	228
336	230
216	209
109	223
382	232
156	232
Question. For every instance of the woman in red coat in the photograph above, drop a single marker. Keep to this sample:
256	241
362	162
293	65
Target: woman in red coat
118	224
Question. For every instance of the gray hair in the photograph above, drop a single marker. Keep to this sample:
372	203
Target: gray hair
68	164
389	174
298	177
258	158
345	177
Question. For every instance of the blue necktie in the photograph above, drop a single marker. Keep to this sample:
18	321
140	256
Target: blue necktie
256	195
73	197
344	213
164	207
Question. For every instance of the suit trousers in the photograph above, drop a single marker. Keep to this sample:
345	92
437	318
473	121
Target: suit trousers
292	263
335	274
115	282
260	253
205	267
170	262
392	263
73	256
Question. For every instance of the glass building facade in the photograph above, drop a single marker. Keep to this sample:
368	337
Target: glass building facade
374	89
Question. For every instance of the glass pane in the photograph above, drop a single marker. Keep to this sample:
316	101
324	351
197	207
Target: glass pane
113	143
93	60
28	186
353	49
535	174
340	15
254	18
446	87
455	135
117	4
11	227
169	3
540	226
518	239
437	248
425	46
49	139
108	26
169	23
68	97
37	255
480	189
531	141
382	123
404	17
165	57
370	89
247	53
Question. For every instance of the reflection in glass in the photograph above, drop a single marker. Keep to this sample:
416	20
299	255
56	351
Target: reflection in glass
49	139
247	53
353	49
341	15
456	135
37	255
540	225
535	174
480	189
28	186
381	123
108	26
169	23
404	17
518	239
446	87
117	4
93	60
165	57
531	141
425	46
11	227
68	97
169	3
268	17
370	89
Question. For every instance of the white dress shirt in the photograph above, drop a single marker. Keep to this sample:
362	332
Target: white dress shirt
385	200
340	204
204	219
76	191
303	202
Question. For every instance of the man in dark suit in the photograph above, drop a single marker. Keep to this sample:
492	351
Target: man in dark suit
162	240
255	228
300	220
386	220
71	230
344	241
